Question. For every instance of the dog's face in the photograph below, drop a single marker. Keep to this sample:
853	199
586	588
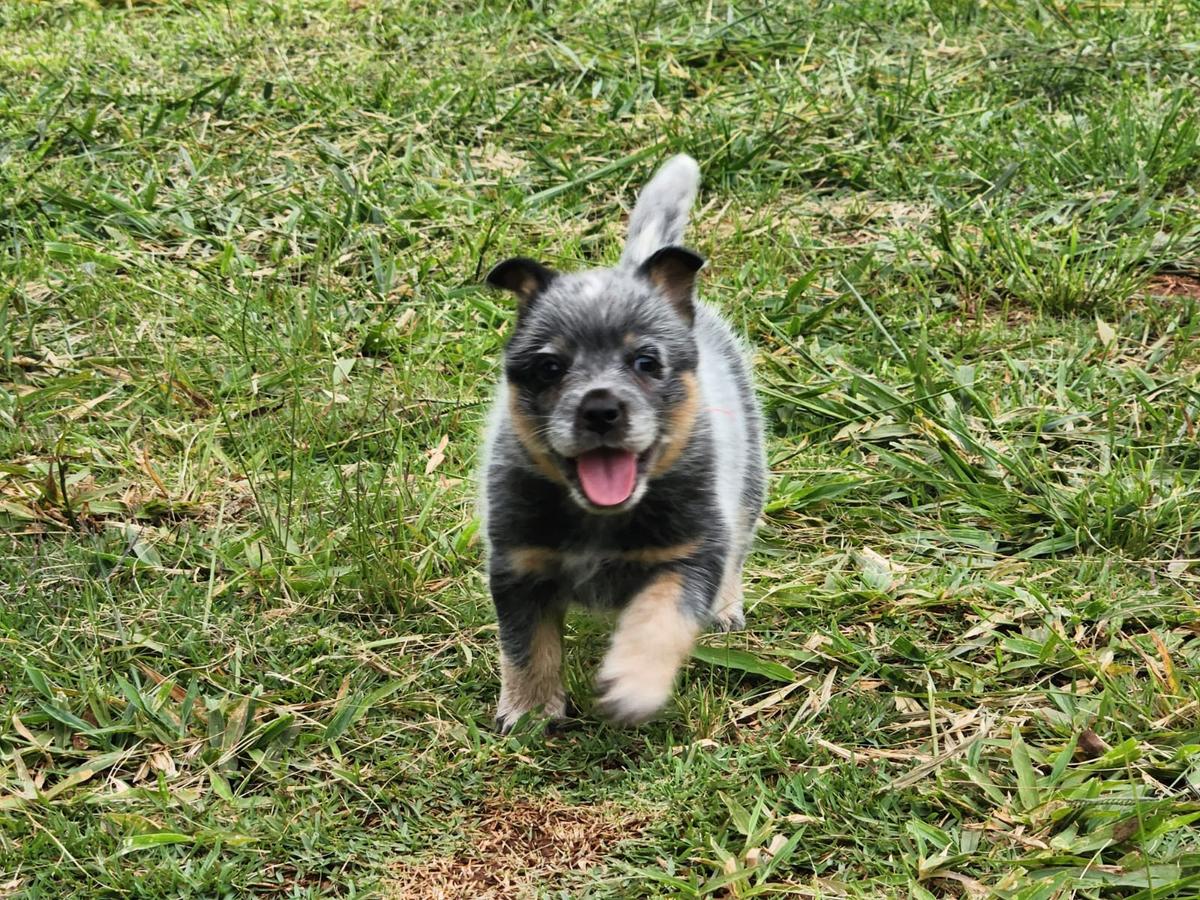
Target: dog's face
601	373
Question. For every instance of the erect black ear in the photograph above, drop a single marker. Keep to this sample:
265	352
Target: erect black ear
524	277
673	271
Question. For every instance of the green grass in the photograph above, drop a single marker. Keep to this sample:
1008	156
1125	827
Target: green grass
245	645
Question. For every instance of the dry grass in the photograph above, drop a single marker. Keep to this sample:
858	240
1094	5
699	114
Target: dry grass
519	849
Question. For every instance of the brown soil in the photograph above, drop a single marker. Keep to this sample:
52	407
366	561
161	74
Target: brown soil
1174	286
516	848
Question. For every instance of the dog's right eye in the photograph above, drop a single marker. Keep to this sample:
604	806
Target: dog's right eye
646	364
549	369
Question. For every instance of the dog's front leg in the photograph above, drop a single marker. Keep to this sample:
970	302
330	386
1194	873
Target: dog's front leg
531	625
653	638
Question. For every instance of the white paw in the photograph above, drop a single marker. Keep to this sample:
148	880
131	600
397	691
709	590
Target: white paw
730	619
630	697
728	613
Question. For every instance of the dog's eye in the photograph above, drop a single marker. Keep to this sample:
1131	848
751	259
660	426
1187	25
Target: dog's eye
549	369
646	364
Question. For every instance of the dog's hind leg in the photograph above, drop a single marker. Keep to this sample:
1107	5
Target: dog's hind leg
531	627
728	612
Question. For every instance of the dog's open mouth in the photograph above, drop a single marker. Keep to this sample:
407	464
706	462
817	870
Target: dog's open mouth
607	475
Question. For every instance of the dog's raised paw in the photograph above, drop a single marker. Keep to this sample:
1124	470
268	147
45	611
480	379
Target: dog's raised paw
627	700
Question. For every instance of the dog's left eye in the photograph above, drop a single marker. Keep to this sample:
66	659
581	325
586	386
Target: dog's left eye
549	369
646	364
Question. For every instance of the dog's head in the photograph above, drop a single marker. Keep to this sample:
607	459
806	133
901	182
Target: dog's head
601	372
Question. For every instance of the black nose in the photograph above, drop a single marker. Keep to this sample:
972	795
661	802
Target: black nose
600	411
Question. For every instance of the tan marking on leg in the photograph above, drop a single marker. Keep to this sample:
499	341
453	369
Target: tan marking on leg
527	434
653	638
679	427
653	556
532	560
538	683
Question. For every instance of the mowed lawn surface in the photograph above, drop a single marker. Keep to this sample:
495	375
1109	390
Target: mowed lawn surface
245	642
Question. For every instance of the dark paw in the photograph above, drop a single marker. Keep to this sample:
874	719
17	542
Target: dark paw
531	719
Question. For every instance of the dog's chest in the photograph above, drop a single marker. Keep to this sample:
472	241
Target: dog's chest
598	579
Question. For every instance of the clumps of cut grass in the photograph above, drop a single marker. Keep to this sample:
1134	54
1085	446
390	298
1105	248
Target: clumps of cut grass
1141	508
1123	149
1049	270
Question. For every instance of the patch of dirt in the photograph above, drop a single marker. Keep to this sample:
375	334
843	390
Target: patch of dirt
516	848
1174	286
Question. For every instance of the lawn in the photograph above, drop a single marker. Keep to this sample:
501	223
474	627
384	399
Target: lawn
246	647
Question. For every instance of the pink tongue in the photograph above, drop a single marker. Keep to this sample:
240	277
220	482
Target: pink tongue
607	475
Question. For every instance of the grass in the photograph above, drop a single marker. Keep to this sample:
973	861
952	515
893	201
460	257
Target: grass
245	646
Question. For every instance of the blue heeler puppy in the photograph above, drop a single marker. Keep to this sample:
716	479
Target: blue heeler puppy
623	466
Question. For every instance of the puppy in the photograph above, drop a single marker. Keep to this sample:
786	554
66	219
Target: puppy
623	464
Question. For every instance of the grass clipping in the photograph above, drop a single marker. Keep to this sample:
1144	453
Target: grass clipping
516	849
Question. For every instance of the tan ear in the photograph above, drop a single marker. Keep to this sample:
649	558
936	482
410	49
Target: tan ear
524	277
673	271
